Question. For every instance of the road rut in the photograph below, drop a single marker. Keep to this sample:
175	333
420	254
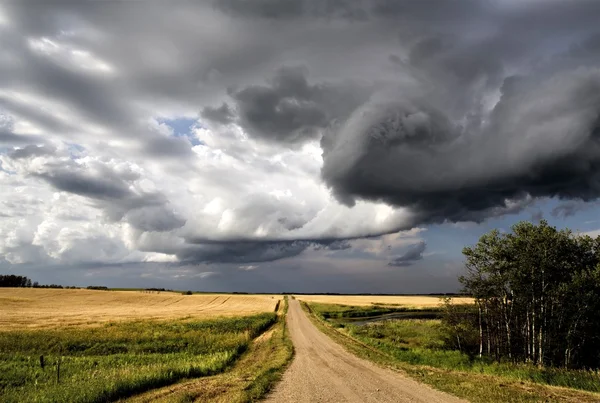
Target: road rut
322	371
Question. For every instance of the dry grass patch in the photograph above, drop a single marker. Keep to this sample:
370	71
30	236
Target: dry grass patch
30	308
390	300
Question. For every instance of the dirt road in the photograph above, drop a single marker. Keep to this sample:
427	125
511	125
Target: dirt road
322	371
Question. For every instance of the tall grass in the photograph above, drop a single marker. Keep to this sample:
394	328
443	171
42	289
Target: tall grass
118	360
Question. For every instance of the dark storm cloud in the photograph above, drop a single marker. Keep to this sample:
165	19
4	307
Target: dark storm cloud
241	252
223	114
431	145
569	208
289	109
290	9
411	256
337	245
353	10
542	139
245	251
85	185
269	116
276	9
283	111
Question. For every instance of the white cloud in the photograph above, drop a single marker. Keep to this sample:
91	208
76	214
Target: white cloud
594	233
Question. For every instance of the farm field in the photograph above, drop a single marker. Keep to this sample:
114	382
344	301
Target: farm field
96	346
31	308
408	301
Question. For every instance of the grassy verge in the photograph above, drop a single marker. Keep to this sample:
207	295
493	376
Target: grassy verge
249	379
118	360
343	314
414	347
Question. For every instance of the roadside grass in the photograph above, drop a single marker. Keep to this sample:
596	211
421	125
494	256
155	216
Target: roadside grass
416	347
119	359
249	379
420	343
340	315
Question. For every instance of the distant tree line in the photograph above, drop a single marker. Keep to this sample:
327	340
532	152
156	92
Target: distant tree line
537	298
36	285
10	280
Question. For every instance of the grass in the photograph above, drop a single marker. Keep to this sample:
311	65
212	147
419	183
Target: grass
342	314
33	308
328	311
417	348
116	360
249	379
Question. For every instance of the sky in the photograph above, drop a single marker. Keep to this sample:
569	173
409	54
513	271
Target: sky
351	146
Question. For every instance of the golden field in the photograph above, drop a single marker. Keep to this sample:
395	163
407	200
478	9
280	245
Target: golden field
45	308
409	301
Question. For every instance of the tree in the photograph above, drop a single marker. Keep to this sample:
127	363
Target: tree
536	291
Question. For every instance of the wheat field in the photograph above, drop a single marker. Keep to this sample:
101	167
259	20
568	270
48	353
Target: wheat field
29	308
408	301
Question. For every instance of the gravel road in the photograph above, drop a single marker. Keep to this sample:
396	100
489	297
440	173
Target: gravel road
322	371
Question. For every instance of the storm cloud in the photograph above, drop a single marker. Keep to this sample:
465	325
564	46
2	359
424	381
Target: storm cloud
411	256
288	109
540	139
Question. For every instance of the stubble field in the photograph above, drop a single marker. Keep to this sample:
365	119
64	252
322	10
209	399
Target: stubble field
35	308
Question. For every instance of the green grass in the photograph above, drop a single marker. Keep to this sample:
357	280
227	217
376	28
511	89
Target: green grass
417	347
118	360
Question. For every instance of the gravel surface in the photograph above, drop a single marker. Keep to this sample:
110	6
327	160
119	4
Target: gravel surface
322	371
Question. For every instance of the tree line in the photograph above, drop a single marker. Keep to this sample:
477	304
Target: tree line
537	298
12	280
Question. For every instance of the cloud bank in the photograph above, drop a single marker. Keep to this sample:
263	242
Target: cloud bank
242	132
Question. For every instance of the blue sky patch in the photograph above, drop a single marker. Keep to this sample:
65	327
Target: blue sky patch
182	127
